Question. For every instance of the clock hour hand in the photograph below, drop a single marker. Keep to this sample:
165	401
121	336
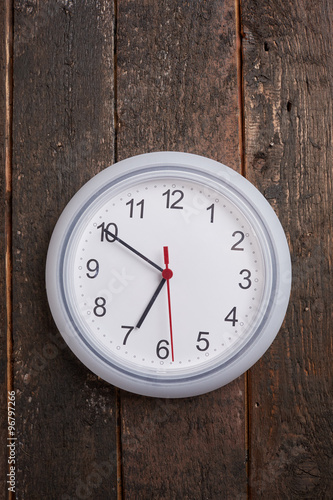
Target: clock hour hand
139	254
151	302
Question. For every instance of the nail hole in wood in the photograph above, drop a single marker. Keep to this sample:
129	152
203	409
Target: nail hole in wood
289	105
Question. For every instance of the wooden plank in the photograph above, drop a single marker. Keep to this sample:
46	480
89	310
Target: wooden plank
288	112
63	134
177	79
5	222
177	90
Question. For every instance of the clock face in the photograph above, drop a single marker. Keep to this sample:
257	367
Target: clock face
163	276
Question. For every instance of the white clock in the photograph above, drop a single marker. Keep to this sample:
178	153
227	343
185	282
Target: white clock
168	274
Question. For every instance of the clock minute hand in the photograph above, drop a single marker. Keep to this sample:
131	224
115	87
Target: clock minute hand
139	254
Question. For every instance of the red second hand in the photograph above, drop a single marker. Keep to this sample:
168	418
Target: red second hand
167	274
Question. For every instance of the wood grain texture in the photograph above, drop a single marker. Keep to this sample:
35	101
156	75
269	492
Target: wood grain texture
63	130
288	71
177	78
3	244
177	90
168	81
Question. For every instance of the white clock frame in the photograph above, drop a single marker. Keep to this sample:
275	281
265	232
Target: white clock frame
281	275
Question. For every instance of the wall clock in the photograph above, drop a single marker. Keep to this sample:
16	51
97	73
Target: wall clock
168	274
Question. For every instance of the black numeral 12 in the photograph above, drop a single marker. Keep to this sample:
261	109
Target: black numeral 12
174	193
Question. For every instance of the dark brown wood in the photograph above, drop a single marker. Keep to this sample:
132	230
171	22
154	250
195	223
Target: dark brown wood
63	134
5	230
177	90
177	79
288	71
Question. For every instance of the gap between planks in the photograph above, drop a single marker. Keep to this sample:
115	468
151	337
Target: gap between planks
115	83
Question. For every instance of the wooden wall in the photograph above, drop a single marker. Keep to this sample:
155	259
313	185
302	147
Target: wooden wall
87	83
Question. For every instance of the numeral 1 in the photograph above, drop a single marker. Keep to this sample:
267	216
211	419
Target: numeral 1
211	208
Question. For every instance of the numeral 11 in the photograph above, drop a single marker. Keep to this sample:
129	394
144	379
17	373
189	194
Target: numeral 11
140	204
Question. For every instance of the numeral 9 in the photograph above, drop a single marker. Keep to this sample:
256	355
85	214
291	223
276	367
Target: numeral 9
93	267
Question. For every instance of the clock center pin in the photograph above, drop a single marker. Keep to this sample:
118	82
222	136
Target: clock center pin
167	274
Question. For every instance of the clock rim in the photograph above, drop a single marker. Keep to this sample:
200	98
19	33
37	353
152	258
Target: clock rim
209	380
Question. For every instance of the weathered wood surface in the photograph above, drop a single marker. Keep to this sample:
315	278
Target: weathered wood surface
177	90
4	105
95	82
63	129
288	68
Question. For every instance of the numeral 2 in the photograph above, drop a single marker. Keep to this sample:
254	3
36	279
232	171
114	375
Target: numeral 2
235	246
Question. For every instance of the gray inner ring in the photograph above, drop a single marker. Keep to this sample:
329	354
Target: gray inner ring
165	380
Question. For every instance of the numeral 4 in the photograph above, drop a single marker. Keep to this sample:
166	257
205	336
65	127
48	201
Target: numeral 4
232	316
